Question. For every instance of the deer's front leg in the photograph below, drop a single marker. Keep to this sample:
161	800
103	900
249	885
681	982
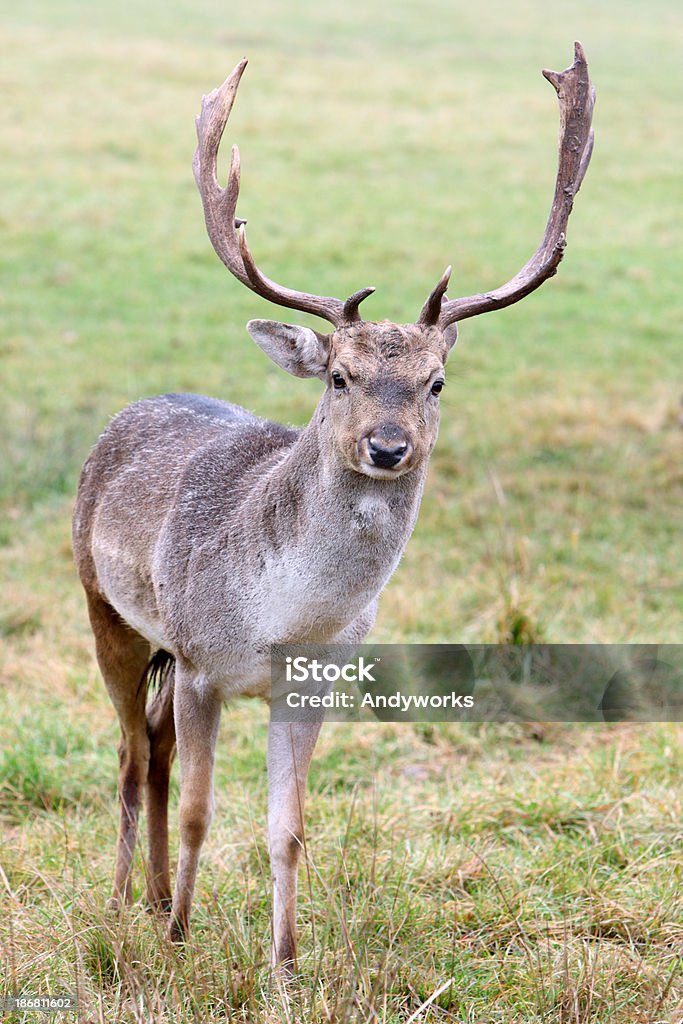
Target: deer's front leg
290	747
197	714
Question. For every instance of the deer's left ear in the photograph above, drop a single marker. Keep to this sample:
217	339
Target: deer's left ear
450	335
298	350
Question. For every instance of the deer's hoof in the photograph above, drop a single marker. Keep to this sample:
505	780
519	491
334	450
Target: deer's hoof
176	931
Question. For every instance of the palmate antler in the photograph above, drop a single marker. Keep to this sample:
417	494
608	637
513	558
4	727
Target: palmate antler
577	98
228	235
227	232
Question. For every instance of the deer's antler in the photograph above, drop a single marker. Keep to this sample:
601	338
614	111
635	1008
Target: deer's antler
227	232
577	97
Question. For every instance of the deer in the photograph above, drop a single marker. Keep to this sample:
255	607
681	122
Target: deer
204	535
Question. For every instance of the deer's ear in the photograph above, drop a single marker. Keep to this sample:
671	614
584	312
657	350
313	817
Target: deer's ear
450	335
298	350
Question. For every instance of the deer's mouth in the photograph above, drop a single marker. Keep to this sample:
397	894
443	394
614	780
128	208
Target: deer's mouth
379	473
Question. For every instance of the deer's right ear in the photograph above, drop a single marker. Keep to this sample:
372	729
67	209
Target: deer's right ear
298	350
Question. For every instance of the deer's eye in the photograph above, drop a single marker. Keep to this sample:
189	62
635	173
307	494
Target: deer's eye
338	381
437	387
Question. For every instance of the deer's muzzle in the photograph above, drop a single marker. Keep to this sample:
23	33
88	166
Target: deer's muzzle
386	447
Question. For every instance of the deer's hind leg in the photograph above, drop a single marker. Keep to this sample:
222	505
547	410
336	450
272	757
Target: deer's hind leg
122	655
161	732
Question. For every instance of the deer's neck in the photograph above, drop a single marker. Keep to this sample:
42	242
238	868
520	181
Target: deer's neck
326	538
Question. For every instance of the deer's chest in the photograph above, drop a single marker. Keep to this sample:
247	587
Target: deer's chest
313	590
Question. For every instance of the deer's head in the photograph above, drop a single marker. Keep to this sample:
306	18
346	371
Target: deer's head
383	380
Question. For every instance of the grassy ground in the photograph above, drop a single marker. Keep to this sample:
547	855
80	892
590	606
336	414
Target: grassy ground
533	872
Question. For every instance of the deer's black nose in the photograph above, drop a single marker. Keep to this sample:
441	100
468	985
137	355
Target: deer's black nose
387	446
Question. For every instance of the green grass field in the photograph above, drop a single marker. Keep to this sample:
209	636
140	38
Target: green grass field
525	874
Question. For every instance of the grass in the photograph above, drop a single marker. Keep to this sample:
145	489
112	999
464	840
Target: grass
535	873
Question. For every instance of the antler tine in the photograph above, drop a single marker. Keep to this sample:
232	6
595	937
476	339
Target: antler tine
351	314
577	98
226	231
431	310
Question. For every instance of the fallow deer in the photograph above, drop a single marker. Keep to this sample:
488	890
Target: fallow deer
204	535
